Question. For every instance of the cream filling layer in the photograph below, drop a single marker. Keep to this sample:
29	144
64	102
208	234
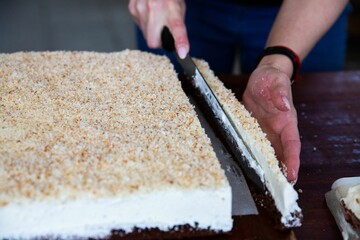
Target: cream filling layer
210	208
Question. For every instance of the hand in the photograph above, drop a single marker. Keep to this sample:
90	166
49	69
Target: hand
268	97
152	15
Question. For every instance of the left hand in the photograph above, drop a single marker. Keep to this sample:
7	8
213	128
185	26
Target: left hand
268	97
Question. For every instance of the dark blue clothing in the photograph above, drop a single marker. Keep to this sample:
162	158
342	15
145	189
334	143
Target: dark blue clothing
218	30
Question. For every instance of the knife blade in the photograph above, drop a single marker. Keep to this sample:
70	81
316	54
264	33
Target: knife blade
242	201
233	138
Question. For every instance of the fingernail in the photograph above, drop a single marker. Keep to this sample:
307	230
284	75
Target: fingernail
292	174
286	102
182	52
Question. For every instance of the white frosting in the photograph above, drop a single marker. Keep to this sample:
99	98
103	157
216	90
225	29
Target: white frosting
209	208
333	201
352	200
345	189
348	190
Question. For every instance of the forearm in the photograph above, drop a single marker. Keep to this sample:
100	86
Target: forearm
299	26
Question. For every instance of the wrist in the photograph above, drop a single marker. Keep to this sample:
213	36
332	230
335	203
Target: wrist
280	57
279	62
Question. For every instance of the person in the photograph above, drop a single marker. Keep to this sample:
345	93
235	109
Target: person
297	27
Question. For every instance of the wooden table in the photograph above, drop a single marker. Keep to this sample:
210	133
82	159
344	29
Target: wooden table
329	124
328	107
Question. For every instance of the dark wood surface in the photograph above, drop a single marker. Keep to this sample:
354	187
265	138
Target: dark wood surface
328	106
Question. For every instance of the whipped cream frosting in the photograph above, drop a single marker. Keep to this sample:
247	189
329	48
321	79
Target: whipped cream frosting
352	200
208	208
348	190
97	141
345	191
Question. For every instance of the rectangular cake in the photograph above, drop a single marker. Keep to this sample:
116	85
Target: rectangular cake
95	142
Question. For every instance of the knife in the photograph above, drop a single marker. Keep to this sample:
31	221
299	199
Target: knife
241	152
242	201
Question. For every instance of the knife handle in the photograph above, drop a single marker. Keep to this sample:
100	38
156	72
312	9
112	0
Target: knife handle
167	40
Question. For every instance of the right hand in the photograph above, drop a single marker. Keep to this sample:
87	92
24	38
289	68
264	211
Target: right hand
152	15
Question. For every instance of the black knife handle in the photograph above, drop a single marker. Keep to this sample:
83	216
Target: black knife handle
167	40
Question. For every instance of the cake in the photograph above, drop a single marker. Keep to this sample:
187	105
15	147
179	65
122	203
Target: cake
351	206
344	202
92	143
281	193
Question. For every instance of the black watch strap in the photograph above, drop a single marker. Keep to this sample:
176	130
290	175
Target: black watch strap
287	52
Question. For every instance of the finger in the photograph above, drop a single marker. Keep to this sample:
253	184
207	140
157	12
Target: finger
180	36
132	8
139	11
155	23
291	151
281	93
178	28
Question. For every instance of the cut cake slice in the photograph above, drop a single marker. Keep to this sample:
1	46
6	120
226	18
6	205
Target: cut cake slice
94	142
280	190
344	202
